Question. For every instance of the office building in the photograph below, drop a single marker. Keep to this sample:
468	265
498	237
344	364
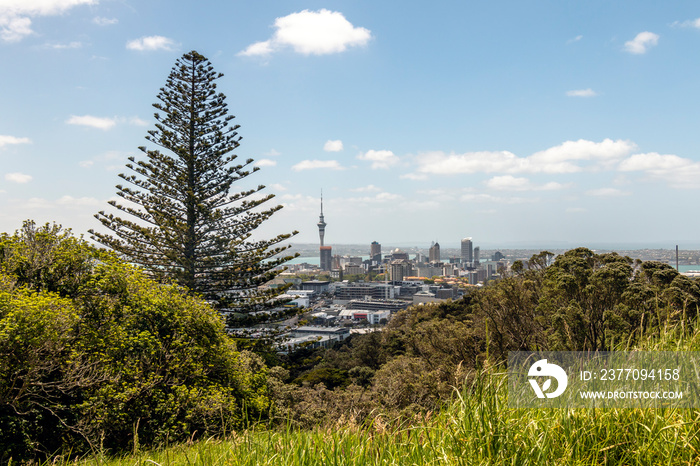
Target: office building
375	252
467	252
434	253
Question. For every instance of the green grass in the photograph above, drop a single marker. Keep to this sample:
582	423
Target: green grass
476	428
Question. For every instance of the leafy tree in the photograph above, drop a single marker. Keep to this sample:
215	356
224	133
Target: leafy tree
104	355
182	223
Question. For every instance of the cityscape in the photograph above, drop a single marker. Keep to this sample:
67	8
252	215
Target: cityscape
352	293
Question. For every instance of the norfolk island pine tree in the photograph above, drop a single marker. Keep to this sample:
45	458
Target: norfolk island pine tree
181	223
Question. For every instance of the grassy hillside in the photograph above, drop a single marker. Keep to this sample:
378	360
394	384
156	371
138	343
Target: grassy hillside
477	427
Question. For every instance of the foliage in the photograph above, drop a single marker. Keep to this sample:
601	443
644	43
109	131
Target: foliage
182	222
108	358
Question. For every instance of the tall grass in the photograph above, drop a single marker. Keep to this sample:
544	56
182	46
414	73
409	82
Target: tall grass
476	428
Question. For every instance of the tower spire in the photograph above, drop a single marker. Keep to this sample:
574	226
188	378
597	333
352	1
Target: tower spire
321	222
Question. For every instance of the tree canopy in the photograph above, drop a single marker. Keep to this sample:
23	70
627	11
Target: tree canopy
181	220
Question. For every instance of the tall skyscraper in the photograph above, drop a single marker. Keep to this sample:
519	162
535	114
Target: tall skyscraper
434	253
375	252
476	256
321	223
325	252
467	252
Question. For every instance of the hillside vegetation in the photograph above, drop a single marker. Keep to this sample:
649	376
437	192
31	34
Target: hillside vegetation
97	359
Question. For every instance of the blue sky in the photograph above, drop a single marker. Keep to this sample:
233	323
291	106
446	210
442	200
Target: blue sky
507	121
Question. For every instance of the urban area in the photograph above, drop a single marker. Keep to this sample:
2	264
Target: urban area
349	294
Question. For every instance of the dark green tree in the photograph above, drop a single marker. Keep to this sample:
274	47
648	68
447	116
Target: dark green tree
181	221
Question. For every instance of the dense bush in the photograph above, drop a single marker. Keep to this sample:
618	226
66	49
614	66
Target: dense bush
95	355
580	301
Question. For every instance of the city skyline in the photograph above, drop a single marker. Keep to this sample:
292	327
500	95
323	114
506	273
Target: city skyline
519	125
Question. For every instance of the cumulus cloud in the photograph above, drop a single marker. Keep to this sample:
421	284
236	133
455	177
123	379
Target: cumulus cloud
641	43
7	140
315	164
693	23
20	178
15	15
265	163
381	159
272	153
511	183
92	121
607	192
677	171
333	146
151	43
101	21
311	33
567	157
582	93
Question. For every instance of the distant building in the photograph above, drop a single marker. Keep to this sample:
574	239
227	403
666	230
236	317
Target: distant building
476	256
317	286
399	254
325	252
345	293
398	269
326	261
497	256
467	252
434	253
375	252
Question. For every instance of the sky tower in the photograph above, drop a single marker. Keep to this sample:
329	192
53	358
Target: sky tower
325	252
321	222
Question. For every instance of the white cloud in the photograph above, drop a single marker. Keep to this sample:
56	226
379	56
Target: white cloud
92	121
136	121
366	189
151	43
333	146
86	163
265	163
101	21
70	45
15	15
641	42
582	93
278	187
381	159
413	176
693	23
575	39
564	158
607	192
272	153
20	178
677	171
511	183
7	140
78	201
311	33
314	164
